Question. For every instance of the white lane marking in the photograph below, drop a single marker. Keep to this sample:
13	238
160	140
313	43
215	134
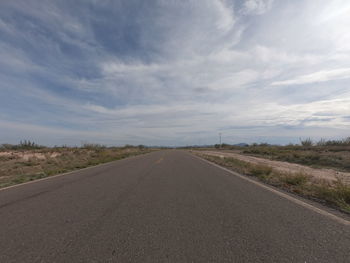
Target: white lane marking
290	198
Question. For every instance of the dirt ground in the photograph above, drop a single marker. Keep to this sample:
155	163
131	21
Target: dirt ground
18	166
25	156
324	174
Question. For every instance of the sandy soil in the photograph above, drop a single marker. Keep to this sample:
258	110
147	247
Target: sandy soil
25	156
325	174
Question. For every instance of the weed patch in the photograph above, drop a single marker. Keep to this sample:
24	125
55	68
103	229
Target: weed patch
295	179
336	194
28	165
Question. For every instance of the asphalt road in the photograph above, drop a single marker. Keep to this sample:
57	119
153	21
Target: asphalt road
167	206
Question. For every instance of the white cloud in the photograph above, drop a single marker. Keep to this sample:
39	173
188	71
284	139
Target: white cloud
256	7
320	76
188	69
226	19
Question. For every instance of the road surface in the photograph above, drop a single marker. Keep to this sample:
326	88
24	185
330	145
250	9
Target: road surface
166	206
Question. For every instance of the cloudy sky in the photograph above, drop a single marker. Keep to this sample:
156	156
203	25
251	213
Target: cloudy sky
174	72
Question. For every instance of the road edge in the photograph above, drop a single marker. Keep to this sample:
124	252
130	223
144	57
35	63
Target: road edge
279	193
70	172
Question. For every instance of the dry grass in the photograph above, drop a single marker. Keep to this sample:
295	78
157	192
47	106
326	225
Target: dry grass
336	194
335	157
23	165
331	154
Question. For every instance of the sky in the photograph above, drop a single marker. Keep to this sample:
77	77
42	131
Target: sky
174	72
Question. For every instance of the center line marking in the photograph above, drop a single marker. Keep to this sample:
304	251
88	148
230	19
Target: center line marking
161	159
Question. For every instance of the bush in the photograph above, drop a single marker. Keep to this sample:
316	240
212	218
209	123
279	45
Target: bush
306	142
338	195
93	146
295	179
23	145
261	170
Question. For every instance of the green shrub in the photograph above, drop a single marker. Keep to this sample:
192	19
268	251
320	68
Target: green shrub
260	170
306	142
338	195
295	179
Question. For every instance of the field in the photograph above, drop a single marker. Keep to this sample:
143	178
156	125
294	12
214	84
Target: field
25	163
336	157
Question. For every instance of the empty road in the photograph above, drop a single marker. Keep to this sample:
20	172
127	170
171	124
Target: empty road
166	206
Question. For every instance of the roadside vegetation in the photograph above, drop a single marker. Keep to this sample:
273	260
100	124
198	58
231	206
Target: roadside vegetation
333	154
28	161
333	193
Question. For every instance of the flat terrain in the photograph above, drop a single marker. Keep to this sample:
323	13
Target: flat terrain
166	206
23	165
326	154
317	173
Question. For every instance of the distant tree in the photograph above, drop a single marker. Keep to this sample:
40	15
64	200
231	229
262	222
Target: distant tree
306	142
27	145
